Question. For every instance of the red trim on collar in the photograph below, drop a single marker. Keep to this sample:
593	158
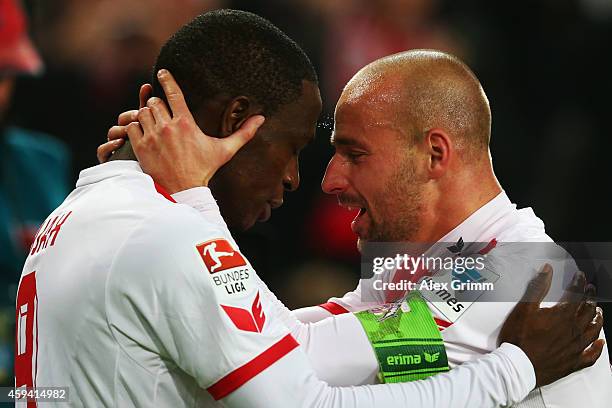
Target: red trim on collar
163	192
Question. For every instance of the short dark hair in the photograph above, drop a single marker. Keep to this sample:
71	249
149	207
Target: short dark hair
235	53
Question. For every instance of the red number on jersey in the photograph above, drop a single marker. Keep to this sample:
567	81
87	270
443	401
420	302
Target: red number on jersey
26	343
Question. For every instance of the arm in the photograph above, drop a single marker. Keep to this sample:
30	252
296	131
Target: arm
266	367
176	309
290	382
162	166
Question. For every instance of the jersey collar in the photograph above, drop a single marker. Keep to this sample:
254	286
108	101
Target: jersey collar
117	168
485	223
107	170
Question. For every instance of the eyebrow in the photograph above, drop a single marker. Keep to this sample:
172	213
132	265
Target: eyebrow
342	142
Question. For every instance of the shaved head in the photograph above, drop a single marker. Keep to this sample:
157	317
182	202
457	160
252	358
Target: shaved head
419	90
411	136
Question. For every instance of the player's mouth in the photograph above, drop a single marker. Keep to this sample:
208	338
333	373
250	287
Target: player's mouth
360	221
266	213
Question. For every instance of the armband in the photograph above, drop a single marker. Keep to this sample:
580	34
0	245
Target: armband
406	340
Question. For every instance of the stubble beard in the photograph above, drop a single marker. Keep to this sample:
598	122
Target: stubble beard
399	209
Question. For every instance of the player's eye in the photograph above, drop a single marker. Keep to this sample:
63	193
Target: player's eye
354	156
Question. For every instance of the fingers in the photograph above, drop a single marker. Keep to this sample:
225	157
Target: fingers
106	150
538	287
591	354
116	132
145	93
593	327
590	293
127	117
239	138
146	120
135	133
574	293
173	92
586	309
573	298
160	111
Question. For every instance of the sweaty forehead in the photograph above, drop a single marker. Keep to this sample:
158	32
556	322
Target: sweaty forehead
367	102
375	87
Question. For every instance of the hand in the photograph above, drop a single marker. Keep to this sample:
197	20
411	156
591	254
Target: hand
558	340
172	149
117	134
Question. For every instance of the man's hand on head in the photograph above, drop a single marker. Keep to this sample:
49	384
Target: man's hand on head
558	340
169	145
117	134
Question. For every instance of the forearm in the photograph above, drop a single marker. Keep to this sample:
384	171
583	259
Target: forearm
311	314
339	351
290	382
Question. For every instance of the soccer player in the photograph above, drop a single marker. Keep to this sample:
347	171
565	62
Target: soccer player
412	135
118	299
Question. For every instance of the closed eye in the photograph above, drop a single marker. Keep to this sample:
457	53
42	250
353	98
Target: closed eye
355	156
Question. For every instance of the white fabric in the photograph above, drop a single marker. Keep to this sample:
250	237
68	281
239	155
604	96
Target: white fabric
474	330
130	310
331	338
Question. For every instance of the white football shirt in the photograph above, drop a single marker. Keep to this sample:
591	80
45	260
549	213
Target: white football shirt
471	328
131	299
127	296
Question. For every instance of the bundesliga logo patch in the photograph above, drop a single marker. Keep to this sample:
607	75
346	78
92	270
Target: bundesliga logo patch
218	255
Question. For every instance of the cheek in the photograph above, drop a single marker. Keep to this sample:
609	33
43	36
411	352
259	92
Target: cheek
383	196
265	178
249	178
271	171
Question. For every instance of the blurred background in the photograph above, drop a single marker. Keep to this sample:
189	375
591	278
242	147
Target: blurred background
545	64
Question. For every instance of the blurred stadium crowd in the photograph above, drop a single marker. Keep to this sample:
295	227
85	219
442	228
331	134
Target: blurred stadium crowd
545	65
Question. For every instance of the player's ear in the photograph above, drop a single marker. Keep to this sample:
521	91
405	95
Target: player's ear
439	148
236	112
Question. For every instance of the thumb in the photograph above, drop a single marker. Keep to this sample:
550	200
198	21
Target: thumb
239	138
538	287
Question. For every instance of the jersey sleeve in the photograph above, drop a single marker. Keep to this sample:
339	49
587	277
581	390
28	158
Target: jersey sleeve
182	289
335	352
351	302
491	381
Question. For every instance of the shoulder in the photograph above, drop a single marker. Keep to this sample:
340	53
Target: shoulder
167	233
161	262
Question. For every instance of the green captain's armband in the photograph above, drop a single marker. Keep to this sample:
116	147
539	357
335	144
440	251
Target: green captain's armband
406	340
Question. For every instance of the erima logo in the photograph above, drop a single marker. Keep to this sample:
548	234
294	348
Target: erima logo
458	247
243	319
412	359
431	358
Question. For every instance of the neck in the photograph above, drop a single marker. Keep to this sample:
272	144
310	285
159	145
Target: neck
125	152
455	200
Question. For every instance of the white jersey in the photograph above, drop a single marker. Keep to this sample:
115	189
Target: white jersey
471	328
131	299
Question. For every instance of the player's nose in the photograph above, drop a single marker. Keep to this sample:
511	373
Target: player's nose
291	178
334	181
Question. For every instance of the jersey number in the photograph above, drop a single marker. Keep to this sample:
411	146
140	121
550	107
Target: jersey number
26	344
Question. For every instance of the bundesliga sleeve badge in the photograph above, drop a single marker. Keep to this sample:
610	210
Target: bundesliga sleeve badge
230	274
218	255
